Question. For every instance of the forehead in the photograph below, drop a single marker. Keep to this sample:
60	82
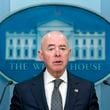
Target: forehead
55	38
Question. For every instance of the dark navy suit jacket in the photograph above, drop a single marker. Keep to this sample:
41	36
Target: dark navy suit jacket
30	95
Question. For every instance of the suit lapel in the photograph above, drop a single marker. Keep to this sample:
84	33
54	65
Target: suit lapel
39	92
72	92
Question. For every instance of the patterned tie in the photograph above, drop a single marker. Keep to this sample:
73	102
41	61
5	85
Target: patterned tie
56	101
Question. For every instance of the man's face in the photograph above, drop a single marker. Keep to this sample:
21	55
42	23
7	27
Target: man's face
55	52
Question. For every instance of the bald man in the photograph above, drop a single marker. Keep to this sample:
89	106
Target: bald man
36	94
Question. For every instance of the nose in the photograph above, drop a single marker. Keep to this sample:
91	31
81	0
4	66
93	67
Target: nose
57	52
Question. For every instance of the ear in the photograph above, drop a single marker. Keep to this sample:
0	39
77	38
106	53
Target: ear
69	52
40	54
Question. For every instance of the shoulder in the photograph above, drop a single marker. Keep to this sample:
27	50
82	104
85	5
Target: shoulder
79	80
30	82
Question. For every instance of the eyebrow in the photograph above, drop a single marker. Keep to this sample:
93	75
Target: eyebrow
62	45
51	45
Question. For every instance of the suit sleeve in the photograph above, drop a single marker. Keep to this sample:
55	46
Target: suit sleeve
93	103
16	103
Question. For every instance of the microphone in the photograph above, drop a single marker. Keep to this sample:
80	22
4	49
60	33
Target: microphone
10	82
106	82
4	90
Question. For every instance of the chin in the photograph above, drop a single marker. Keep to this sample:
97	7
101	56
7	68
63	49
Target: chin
59	69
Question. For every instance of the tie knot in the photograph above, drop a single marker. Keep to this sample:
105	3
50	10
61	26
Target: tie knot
57	82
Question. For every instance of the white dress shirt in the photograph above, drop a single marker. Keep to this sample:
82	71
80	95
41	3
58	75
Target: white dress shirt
49	86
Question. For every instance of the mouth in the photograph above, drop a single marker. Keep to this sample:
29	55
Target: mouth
58	62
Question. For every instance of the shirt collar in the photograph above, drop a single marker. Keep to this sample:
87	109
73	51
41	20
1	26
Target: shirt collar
48	78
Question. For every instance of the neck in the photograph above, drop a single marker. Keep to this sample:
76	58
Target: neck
56	74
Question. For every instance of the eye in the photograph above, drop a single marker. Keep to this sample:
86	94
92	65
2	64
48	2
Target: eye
50	49
63	48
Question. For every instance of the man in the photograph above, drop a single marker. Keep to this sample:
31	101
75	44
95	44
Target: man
39	93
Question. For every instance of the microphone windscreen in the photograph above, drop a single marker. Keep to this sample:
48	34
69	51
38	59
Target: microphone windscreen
10	82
